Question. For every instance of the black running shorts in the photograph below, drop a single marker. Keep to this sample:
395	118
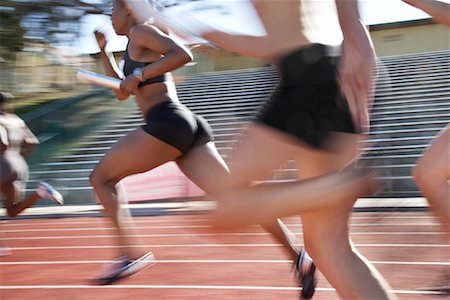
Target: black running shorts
176	125
307	102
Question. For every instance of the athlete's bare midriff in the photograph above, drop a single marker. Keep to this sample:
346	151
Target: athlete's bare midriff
285	32
150	95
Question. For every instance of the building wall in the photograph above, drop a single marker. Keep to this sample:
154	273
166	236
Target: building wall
414	39
389	39
207	59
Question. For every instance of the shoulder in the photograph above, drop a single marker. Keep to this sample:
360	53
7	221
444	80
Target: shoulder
144	31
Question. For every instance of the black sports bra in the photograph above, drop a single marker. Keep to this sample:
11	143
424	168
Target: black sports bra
130	65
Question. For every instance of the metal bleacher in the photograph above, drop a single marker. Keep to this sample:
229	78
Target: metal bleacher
412	104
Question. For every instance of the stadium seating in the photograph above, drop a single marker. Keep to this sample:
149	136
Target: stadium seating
412	104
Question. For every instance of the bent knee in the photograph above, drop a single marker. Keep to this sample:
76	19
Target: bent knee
98	178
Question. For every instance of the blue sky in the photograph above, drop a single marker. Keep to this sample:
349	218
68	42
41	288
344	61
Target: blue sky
372	12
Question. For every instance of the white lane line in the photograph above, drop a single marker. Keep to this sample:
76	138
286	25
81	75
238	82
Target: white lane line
136	220
201	287
13	223
74	262
196	261
101	228
136	235
201	235
199	226
218	245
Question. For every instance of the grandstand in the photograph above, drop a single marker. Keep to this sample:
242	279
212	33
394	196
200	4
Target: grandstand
411	106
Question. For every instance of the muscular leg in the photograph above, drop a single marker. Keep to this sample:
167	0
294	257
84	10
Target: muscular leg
326	232
13	205
283	235
432	173
137	152
262	150
12	188
205	167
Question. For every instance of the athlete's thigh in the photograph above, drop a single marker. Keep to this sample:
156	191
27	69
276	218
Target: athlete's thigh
261	150
205	167
331	222
343	150
137	152
8	171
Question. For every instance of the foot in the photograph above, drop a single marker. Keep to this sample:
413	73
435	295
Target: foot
305	270
124	267
46	191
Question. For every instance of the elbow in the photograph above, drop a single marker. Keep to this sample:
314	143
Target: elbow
188	57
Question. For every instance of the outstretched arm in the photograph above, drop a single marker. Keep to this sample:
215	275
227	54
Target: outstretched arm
438	10
189	25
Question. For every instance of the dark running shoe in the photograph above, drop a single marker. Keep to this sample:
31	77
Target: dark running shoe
305	270
123	267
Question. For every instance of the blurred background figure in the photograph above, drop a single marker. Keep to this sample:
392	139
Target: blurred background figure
17	141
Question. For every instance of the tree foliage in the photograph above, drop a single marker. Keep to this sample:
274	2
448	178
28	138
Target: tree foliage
49	21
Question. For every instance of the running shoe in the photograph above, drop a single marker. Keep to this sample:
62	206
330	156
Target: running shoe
46	191
123	267
305	270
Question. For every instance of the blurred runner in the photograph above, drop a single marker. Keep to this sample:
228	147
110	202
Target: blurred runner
317	116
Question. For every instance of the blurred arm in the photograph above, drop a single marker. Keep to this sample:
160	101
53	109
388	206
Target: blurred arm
438	10
241	44
192	26
357	62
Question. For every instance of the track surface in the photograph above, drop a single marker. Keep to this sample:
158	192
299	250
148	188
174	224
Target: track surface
54	258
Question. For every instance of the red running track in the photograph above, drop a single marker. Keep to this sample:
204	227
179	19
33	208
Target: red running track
54	258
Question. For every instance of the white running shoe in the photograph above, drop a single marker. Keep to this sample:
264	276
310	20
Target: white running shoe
46	191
